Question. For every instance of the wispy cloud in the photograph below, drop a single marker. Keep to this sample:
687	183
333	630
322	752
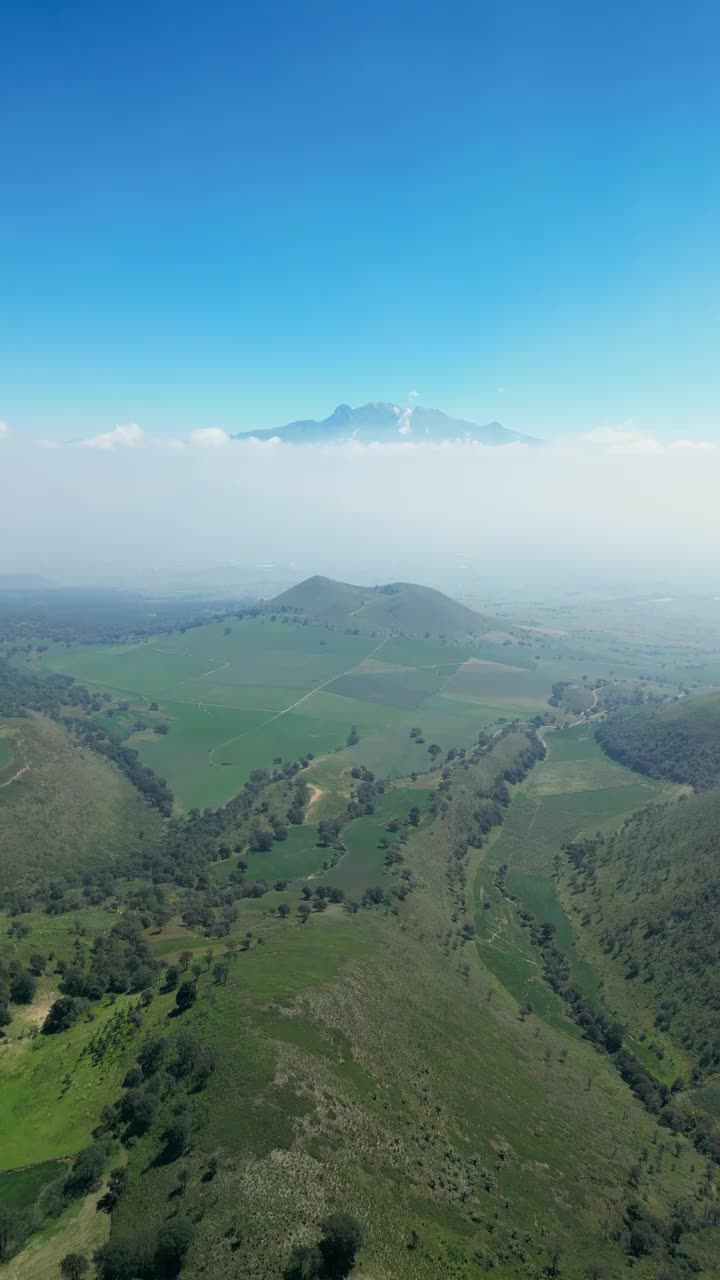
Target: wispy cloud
626	440
122	437
4	429
412	394
210	437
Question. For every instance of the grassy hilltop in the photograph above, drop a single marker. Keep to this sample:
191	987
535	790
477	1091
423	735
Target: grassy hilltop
398	606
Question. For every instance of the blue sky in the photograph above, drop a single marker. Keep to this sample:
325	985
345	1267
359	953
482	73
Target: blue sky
235	214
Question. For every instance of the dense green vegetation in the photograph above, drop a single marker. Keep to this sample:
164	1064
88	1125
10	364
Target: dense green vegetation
427	995
680	741
648	900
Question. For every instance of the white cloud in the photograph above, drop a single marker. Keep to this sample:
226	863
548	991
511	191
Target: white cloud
126	437
4	429
211	437
625	440
412	394
405	422
615	497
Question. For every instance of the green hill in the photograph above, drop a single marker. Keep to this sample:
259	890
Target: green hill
63	808
649	902
402	607
680	741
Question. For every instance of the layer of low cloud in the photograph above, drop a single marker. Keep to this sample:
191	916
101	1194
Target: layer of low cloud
122	501
128	437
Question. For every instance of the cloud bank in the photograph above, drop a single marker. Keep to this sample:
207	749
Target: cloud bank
123	502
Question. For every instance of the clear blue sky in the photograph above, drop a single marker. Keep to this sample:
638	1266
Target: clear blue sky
237	213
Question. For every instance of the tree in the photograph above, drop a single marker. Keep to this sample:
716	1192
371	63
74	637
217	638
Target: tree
184	959
304	912
63	1014
414	816
22	988
353	737
137	1111
174	1239
117	1186
151	1054
176	1137
172	978
87	1169
284	910
555	1252
339	1244
186	996
74	1266
220	973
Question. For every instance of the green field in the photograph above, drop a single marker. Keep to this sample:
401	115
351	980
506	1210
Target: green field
235	702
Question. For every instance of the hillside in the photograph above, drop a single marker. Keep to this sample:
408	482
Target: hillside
680	741
346	1012
381	420
649	901
348	1055
401	607
62	807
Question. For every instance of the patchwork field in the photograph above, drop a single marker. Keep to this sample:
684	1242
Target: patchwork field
235	697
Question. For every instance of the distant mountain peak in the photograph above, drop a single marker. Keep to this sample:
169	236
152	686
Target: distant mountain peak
381	420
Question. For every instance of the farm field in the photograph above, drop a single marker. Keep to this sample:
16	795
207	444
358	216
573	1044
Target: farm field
235	697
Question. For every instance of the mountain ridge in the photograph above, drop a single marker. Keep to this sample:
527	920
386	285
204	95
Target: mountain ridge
382	420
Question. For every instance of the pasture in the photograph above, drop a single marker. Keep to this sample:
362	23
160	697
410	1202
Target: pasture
236	696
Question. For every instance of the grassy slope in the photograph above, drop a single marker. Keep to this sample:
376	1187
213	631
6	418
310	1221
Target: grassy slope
362	1068
70	809
576	791
403	606
650	910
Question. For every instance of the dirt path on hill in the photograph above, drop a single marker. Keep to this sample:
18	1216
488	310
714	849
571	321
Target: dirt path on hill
316	795
24	768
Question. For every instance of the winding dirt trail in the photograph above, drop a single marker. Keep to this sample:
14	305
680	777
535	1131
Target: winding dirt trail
24	768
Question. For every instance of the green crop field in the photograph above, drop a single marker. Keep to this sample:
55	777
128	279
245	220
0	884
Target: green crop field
235	698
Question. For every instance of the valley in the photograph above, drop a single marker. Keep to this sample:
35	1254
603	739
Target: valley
359	962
